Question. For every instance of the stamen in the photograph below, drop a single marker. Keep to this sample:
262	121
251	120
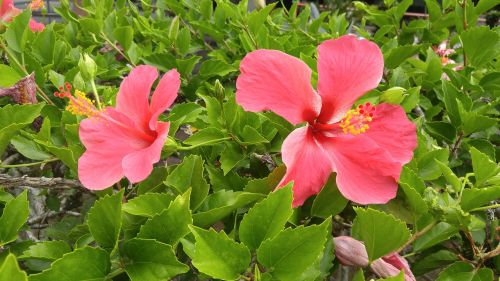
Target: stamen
78	104
356	120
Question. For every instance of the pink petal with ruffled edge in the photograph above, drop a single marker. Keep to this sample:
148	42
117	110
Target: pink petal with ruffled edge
348	67
307	164
164	95
393	132
391	265
138	165
36	26
133	97
366	174
273	80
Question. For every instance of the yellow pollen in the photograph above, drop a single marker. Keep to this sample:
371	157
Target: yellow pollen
81	105
36	5
356	120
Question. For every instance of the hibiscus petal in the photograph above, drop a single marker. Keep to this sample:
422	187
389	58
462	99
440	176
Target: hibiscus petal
308	166
347	68
36	26
164	95
6	6
366	174
100	169
393	132
273	80
138	165
133	97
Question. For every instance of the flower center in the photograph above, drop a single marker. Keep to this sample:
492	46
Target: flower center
78	104
356	120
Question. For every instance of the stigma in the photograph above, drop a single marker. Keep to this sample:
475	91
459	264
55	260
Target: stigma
79	103
356	121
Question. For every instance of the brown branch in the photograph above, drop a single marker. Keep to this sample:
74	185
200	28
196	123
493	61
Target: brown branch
7	181
490	254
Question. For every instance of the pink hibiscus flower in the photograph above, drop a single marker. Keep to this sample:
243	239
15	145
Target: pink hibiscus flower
126	140
366	146
8	12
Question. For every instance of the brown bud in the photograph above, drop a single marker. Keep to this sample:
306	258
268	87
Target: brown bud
23	92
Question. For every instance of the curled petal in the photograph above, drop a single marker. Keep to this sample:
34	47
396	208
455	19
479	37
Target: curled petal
36	26
7	6
273	80
391	265
392	131
164	95
350	251
100	169
138	165
347	68
133	97
307	164
366	174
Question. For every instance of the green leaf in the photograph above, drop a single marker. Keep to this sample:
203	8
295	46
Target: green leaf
15	117
398	55
29	148
124	35
428	168
104	220
450	177
83	264
399	277
9	270
329	201
207	136
15	214
465	272
150	260
414	200
474	122
483	167
67	155
17	33
441	130
267	218
292	251
481	45
190	174
433	261
440	232
382	233
47	250
477	197
170	225
359	276
251	136
219	256
215	67
9	76
148	205
231	156
221	204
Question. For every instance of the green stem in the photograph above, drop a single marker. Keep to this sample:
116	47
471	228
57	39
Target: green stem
494	206
417	235
28	164
203	144
116	48
96	94
115	273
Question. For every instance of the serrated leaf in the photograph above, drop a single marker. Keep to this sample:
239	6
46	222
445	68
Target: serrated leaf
148	205
450	177
219	256
221	204
17	33
428	169
398	55
381	233
9	270
150	260
83	264
292	251
190	174
207	136
231	156
15	214
267	218
440	232
480	44
47	250
170	225
464	272
483	167
104	220
15	117
477	197
215	67
9	76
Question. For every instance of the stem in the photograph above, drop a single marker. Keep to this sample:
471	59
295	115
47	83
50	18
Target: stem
115	273
464	19
116	48
458	142
96	94
28	164
485	208
417	235
21	66
490	254
203	144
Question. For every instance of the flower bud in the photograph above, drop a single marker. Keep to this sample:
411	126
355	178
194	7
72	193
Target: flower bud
391	265
394	95
88	68
350	251
219	91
